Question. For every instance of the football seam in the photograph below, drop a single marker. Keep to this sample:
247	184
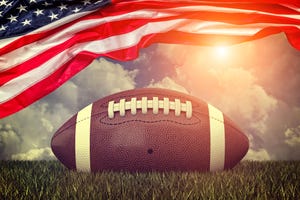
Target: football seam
228	124
231	126
149	122
86	118
145	122
66	128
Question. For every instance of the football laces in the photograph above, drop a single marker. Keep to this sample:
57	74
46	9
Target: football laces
144	104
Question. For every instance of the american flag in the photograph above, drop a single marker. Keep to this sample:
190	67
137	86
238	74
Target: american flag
45	43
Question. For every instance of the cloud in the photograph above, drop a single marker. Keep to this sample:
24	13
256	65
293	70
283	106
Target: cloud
152	66
259	155
67	95
167	83
234	91
102	78
256	153
9	141
281	130
292	136
35	154
30	128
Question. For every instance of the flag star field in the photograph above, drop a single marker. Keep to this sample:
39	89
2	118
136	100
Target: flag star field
20	17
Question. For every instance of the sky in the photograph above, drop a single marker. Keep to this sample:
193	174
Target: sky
256	84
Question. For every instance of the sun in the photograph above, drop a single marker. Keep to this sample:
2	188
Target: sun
221	51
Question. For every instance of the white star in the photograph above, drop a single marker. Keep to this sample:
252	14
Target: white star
3	3
53	16
32	1
9	4
26	22
76	10
12	18
38	12
22	8
3	28
46	4
1	13
63	7
86	2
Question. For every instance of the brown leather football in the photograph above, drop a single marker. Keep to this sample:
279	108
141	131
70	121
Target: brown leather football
149	130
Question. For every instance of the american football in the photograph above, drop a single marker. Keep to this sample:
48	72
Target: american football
149	129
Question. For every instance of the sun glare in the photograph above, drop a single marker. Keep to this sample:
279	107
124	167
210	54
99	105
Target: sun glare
221	52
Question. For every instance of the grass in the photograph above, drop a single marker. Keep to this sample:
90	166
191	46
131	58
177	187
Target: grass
248	180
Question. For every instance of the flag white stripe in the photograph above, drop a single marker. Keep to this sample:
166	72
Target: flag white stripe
6	41
82	25
82	139
16	86
220	28
233	10
156	14
217	139
22	82
117	42
29	51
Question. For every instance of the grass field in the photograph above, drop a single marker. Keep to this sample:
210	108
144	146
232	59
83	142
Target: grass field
51	180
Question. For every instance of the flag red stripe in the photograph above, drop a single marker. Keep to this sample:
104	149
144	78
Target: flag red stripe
285	2
121	27
274	6
130	6
64	73
83	59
